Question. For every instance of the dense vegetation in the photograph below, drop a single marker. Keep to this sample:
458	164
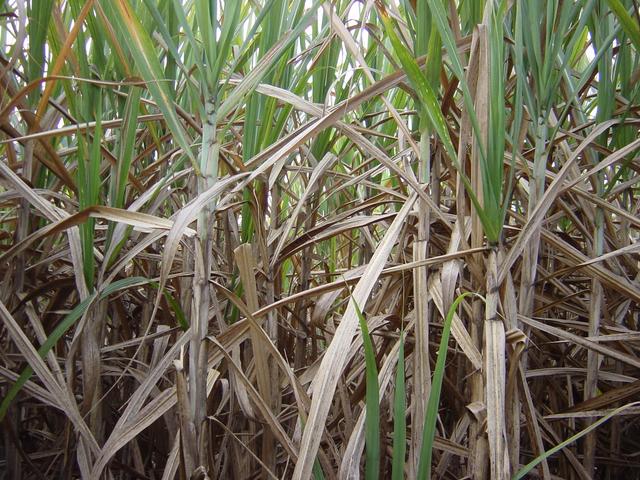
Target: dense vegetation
319	239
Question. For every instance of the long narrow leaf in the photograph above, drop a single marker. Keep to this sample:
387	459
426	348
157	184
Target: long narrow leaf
399	420
429	432
372	402
522	473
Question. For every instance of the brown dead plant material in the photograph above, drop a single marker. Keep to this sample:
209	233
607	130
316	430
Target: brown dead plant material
198	198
